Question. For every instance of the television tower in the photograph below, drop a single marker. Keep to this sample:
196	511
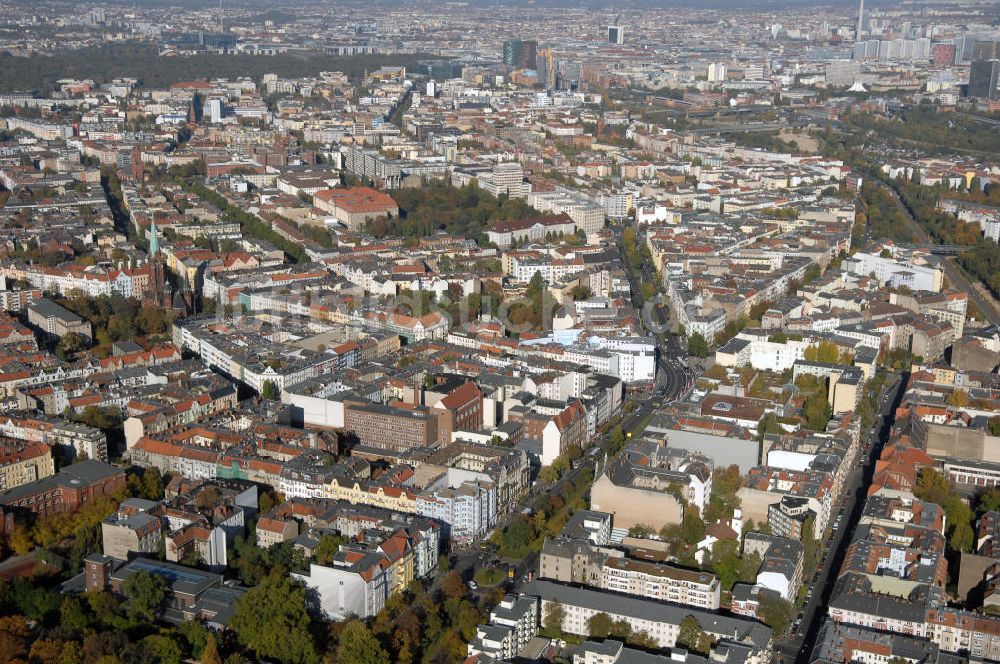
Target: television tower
861	20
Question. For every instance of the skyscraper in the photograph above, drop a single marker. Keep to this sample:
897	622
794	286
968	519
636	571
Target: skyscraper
520	54
983	77
985	49
547	68
616	34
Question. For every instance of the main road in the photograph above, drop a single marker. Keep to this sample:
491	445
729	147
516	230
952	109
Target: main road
797	647
674	377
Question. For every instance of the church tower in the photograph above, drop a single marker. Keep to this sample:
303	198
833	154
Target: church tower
157	282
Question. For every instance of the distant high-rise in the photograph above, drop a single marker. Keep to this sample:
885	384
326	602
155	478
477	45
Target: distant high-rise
716	72
213	109
985	49
616	34
963	49
547	68
520	54
983	78
861	20
943	54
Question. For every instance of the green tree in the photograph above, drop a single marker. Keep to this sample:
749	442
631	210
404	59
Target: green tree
749	565
824	351
810	544
146	592
271	620
817	410
641	531
548	475
70	344
936	488
152	484
327	548
195	636
269	391
692	526
561	465
989	501
517	538
554	617
958	398
161	649
725	562
72	615
697	345
932	486
775	612
616	440
690	635
599	626
359	646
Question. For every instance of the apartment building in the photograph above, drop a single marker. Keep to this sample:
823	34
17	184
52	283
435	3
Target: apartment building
649	483
365	574
23	462
468	509
513	623
84	441
56	321
271	531
128	532
661	582
660	621
782	562
573	560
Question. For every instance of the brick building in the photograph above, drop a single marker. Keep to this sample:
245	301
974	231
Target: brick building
389	427
68	490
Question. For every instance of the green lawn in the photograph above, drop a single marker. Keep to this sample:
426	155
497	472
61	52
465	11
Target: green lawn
489	576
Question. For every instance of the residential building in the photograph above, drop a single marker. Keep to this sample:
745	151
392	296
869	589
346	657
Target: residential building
22	463
55	320
660	621
649	484
513	623
130	532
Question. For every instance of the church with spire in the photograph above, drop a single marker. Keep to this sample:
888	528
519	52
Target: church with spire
157	291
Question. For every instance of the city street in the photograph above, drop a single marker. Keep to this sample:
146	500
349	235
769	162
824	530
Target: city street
796	648
673	374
